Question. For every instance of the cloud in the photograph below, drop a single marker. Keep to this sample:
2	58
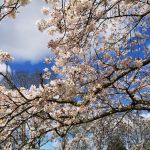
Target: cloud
146	115
21	38
3	69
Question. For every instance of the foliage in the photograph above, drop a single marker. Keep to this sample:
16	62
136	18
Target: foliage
116	144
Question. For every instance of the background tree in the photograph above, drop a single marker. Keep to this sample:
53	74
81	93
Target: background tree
116	144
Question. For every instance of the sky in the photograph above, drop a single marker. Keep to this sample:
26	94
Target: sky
21	38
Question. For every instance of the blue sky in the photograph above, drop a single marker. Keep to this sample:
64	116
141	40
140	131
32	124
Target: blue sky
21	38
27	66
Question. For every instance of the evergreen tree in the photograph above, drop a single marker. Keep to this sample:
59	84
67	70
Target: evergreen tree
116	144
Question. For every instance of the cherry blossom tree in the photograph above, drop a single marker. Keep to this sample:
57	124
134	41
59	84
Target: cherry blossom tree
102	59
9	7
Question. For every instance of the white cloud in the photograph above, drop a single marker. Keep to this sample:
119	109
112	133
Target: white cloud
3	69
146	115
21	38
149	47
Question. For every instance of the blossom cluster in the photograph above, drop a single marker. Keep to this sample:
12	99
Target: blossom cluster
9	7
21	2
5	56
